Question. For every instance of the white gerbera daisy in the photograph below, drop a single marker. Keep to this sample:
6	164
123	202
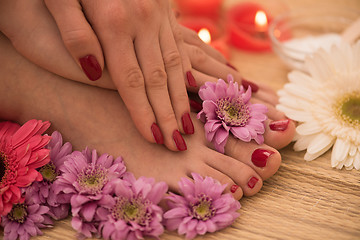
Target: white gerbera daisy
326	103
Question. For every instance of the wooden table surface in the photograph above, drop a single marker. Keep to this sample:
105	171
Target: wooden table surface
303	200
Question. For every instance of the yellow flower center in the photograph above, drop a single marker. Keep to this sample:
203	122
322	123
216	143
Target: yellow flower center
132	210
49	172
203	208
18	213
348	109
92	179
234	112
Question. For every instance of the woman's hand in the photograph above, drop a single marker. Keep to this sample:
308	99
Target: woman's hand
34	33
137	41
141	54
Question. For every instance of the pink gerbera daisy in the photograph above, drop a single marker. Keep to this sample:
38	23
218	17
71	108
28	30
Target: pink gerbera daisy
21	153
88	180
226	108
134	212
202	207
43	192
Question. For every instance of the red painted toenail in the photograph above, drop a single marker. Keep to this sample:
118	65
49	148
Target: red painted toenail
179	141
252	182
260	157
280	125
234	188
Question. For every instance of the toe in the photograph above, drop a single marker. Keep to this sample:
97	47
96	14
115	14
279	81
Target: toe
239	176
279	133
263	159
231	186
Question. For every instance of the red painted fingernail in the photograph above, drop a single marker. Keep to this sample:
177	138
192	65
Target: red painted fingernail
191	80
157	133
280	125
179	141
252	182
260	156
246	84
187	123
195	105
234	188
230	65
91	67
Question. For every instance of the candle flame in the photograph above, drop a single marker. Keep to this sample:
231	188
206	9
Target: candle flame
204	35
261	19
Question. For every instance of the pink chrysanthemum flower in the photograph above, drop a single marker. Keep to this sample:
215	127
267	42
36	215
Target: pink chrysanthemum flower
226	108
43	192
25	220
88	180
134	212
202	207
21	153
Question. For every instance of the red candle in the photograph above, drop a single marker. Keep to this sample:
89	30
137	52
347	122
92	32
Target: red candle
247	25
222	46
205	8
208	32
197	23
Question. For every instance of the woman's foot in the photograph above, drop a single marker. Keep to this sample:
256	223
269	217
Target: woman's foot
95	117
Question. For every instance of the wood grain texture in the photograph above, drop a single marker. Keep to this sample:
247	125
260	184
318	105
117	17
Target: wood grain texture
304	200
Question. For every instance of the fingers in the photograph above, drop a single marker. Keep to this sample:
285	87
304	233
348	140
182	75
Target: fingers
145	66
186	65
202	62
78	36
177	87
156	85
191	37
128	79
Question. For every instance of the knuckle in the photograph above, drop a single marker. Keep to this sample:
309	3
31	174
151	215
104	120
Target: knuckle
167	117
225	180
75	38
114	15
194	35
178	36
134	78
180	97
156	79
198	55
172	59
145	9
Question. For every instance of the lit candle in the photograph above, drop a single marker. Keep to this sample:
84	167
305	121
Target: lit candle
204	8
219	44
247	26
261	22
204	35
198	23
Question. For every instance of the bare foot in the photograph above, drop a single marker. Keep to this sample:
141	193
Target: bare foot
95	117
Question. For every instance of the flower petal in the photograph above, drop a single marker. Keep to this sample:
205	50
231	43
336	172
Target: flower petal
339	152
241	133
